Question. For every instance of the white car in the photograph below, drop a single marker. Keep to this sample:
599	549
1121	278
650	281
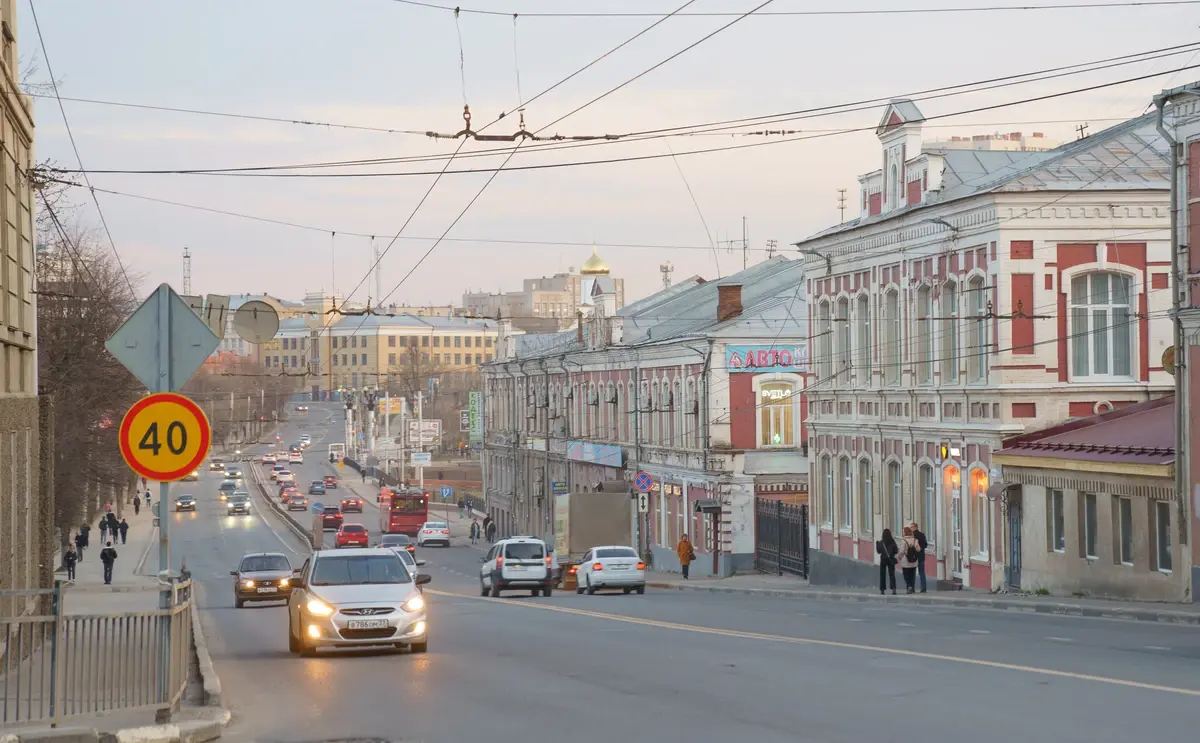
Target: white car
611	567
516	563
434	532
296	458
401	549
269	459
285	476
356	597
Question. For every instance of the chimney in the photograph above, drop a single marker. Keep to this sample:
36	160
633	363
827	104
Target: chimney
729	301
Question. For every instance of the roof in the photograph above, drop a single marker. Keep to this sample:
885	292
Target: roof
594	266
1136	434
371	323
1131	155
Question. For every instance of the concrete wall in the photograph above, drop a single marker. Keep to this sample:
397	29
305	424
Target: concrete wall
26	535
829	569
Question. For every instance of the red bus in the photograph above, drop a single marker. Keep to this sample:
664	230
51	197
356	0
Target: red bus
402	511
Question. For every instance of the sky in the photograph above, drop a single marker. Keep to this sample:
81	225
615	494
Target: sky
399	66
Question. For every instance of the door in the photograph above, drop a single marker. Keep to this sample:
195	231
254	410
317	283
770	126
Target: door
956	536
1014	545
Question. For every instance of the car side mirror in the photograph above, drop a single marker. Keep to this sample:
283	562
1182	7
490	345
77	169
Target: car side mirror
420	563
483	559
423	578
233	573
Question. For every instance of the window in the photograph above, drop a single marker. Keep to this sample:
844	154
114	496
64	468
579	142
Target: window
847	481
437	358
1101	327
863	318
458	341
827	495
364	359
391	341
1089	526
425	341
1124	519
842	332
457	358
924	336
404	341
354	341
1162	534
479	341
896	485
981	515
391	359
1057	522
437	341
865	506
824	343
977	331
891	340
478	358
928	514
949	333
777	416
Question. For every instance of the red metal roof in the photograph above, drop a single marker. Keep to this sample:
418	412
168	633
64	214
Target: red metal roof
1136	434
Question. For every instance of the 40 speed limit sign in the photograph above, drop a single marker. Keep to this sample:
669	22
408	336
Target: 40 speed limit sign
164	436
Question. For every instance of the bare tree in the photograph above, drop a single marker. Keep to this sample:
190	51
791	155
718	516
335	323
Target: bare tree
241	398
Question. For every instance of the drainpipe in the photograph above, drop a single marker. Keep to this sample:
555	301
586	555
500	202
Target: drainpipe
1182	475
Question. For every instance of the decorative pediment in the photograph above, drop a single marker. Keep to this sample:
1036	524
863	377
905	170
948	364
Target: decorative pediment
898	113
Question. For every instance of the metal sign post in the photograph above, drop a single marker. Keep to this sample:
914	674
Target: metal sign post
163	343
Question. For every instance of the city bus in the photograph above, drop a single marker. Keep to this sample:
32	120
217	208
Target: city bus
402	511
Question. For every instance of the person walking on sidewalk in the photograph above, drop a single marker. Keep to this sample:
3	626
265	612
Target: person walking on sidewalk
922	545
137	505
108	556
490	531
103	525
909	554
124	528
80	543
686	554
113	526
887	549
474	531
69	561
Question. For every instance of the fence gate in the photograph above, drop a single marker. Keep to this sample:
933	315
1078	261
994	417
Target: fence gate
780	537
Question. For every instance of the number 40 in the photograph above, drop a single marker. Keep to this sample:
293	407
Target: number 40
175	431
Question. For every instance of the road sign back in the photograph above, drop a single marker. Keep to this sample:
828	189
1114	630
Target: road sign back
163	365
164	436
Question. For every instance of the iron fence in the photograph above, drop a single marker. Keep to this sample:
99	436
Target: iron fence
780	537
57	666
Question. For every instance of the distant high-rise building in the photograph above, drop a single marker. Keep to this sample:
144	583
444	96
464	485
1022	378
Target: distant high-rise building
1010	142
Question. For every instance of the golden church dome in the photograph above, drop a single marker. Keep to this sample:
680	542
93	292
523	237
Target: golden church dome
595	266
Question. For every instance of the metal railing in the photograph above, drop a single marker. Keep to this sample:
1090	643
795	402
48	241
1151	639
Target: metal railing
780	537
57	666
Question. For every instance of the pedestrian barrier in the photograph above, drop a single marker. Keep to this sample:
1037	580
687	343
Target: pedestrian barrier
56	666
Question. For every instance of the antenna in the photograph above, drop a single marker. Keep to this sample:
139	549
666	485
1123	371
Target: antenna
1082	129
666	269
842	204
378	271
772	247
745	246
187	273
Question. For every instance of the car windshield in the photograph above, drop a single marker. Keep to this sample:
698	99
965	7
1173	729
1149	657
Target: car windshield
616	552
186	497
435	525
265	563
359	569
407	558
353	528
395	540
331	511
524	551
228	485
239	498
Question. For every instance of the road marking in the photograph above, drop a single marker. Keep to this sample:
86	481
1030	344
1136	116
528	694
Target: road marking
906	624
980	632
1155	647
853	619
828	644
1060	639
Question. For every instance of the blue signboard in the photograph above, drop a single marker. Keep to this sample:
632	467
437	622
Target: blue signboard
602	454
447	492
318	507
781	357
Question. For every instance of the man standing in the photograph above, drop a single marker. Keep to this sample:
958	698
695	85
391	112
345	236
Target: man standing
108	556
137	504
922	543
474	531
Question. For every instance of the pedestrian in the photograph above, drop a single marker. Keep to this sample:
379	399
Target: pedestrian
137	505
491	532
147	499
80	543
85	531
922	546
69	561
887	550
364	475
108	556
686	553
909	554
474	531
113	526
103	525
124	527
461	508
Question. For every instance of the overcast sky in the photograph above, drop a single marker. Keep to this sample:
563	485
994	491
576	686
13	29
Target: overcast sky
388	64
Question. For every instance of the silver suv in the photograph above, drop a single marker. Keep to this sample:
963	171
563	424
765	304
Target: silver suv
516	563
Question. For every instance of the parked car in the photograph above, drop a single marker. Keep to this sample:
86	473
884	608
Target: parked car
516	563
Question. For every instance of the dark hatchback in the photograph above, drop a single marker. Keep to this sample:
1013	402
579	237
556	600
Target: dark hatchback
185	503
331	518
263	576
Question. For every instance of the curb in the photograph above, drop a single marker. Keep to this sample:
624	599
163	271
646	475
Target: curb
1071	610
208	672
188	731
146	552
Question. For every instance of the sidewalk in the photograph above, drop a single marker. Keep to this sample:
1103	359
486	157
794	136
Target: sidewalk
131	590
794	587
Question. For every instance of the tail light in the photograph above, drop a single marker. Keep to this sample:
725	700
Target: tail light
499	561
597	566
641	566
573	570
547	559
445	531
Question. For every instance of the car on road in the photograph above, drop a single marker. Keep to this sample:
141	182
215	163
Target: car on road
233	472
227	488
262	576
352	503
192	476
185	502
297	502
276	469
330	482
295	458
434	533
305	439
286	492
360	597
269	458
398	542
285	476
352	535
216	464
301	408
409	561
331	517
316	487
613	567
238	503
516	563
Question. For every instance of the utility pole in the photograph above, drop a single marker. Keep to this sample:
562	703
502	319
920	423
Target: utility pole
403	440
421	437
378	272
841	205
745	247
187	273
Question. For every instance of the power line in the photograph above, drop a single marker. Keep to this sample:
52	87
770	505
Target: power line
882	11
71	136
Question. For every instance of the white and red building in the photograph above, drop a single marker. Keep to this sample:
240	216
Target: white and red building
978	295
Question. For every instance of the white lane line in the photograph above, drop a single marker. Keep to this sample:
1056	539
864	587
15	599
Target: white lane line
980	632
1060	639
853	619
906	624
1155	647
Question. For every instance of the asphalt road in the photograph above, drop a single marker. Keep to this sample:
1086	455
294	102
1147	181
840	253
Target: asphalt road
676	666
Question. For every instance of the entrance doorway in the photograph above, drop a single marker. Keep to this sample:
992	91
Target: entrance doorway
952	485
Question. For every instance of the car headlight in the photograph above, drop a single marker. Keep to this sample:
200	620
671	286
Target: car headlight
416	603
248	583
319	608
284	583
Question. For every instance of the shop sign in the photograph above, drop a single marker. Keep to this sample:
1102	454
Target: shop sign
785	358
602	454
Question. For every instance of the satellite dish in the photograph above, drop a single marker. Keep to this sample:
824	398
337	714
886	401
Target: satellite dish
256	322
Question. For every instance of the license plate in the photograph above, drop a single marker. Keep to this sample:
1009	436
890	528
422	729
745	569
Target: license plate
619	567
367	624
268	589
517	568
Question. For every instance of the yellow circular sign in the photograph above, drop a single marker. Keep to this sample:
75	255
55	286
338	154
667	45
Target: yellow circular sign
164	437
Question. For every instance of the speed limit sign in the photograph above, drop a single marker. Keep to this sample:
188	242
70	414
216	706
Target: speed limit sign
164	436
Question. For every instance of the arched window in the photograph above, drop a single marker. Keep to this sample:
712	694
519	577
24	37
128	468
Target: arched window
824	343
924	335
631	420
846	479
892	337
777	414
981	515
949	352
678	408
653	408
843	333
620	411
865	341
827	491
894	187
928	509
977	335
1102	326
896	499
693	415
866	521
